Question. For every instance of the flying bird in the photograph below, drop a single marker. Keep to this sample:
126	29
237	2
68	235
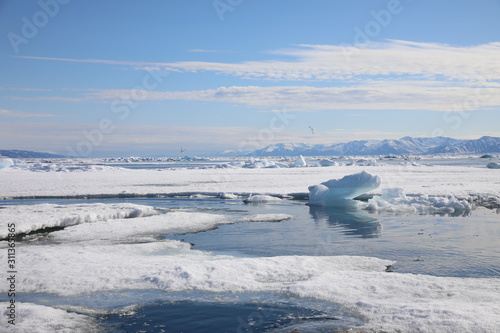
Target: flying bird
182	150
312	130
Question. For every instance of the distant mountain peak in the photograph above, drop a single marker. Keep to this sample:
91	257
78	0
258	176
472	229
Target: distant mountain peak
404	146
27	154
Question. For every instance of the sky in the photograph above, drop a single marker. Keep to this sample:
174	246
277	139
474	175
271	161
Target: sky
147	78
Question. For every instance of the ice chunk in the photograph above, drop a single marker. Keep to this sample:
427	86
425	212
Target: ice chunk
300	161
339	192
393	194
261	163
261	198
228	196
266	218
493	165
5	162
326	162
395	200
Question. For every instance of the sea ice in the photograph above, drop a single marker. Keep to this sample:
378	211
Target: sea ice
139	229
393	194
263	163
389	301
43	319
28	218
394	200
339	192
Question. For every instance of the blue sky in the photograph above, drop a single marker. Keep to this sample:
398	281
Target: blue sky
97	78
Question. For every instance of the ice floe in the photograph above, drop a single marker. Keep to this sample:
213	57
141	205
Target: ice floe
139	229
29	218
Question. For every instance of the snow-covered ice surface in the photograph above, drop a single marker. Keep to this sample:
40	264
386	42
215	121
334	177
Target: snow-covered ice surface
118	247
461	182
39	217
44	319
139	229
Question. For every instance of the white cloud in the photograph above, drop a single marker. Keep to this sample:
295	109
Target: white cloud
394	95
19	114
338	62
403	96
390	75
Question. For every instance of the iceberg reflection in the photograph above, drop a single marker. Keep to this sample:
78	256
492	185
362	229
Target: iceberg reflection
354	221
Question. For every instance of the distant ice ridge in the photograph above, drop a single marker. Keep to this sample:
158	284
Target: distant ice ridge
28	218
63	167
339	193
298	162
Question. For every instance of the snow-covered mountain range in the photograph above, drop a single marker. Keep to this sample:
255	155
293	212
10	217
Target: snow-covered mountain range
403	146
27	154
